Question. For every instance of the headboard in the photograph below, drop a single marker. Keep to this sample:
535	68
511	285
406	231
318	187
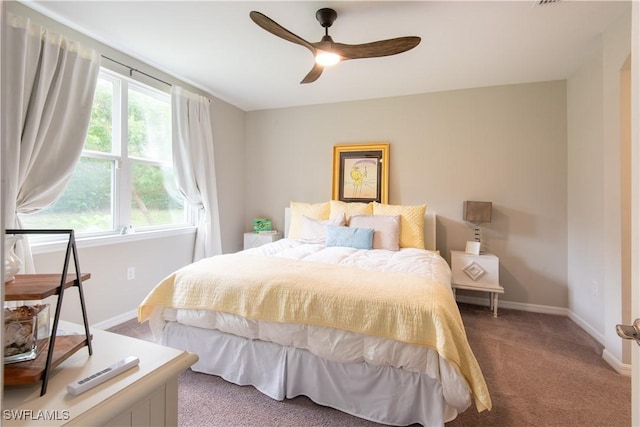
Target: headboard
429	228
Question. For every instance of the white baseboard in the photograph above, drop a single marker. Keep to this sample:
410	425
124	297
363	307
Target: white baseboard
621	368
114	321
534	308
587	328
614	362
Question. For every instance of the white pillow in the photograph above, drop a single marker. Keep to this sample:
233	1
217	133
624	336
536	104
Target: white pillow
315	231
387	229
312	210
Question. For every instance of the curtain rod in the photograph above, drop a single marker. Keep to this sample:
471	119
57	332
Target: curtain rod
131	70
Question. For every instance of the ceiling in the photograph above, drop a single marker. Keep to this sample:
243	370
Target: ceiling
214	45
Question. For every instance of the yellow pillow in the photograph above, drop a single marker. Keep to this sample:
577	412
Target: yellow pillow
355	208
411	222
297	210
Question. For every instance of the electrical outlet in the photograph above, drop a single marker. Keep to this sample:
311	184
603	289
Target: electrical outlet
595	289
131	273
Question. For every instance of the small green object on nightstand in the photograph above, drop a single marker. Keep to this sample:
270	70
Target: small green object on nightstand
261	224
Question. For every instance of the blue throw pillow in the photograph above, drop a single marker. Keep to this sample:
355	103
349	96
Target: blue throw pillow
358	238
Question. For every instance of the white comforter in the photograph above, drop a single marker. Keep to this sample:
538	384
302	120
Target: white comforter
333	344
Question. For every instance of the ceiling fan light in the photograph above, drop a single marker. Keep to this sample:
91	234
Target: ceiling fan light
327	58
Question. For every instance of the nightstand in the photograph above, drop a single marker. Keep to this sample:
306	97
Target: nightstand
146	395
253	240
477	273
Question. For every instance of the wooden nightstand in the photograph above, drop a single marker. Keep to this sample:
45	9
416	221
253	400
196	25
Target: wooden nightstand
253	240
477	273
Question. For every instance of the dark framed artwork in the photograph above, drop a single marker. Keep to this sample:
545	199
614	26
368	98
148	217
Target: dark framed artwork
361	172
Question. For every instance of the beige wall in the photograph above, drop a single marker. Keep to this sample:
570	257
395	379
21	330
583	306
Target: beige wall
586	193
504	144
594	191
228	124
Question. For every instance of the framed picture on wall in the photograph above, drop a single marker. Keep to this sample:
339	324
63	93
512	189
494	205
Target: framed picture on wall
361	172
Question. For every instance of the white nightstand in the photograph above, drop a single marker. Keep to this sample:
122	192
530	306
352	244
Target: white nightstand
145	395
253	240
477	273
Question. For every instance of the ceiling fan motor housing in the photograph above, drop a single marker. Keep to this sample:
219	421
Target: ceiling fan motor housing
326	16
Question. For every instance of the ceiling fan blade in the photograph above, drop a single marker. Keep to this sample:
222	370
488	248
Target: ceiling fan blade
313	75
376	49
276	29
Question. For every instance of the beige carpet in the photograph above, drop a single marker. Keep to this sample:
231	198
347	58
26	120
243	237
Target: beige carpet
541	370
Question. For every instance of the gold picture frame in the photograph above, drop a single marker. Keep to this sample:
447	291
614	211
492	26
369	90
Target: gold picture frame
361	172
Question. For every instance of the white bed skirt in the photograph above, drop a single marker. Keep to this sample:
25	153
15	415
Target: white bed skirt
382	394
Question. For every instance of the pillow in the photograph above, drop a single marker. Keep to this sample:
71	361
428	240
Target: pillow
411	222
387	229
349	209
297	210
315	231
357	238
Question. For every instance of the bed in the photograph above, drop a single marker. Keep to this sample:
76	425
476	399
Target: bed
370	330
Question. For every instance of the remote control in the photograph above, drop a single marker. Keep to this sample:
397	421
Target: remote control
101	376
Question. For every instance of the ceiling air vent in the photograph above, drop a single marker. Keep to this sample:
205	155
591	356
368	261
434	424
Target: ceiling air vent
544	2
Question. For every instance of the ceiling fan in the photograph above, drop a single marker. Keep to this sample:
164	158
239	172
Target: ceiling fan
326	51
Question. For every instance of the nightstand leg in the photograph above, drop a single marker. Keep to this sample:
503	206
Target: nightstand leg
495	304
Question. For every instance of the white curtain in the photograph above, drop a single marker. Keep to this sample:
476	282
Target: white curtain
193	165
48	84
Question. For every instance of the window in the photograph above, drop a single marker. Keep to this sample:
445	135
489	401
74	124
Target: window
124	180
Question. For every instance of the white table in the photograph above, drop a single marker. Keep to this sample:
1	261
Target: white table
254	240
477	273
146	395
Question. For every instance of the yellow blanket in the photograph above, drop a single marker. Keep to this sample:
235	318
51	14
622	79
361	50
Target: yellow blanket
401	307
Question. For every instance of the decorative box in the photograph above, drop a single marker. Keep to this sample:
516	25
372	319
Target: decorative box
24	328
261	224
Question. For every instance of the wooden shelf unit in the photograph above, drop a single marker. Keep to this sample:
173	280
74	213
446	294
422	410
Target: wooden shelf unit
38	286
32	371
28	287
